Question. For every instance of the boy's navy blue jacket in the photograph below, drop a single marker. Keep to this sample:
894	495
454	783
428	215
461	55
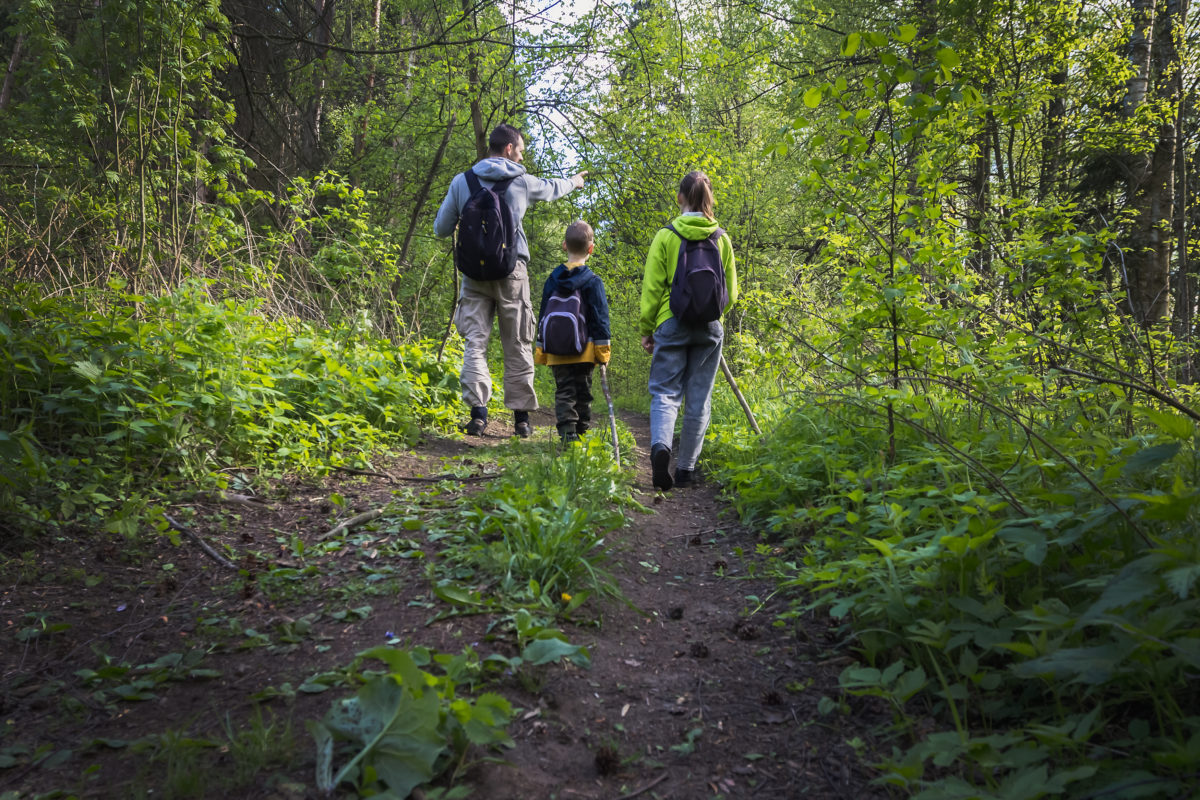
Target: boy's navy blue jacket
566	279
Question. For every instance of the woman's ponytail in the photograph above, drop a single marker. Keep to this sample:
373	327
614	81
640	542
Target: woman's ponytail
697	192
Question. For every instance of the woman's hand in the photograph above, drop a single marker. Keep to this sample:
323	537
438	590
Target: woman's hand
648	344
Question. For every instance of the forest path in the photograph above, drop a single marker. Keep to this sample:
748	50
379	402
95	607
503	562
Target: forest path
694	694
143	669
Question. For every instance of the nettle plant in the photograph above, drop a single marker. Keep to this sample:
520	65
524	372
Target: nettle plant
1005	518
100	406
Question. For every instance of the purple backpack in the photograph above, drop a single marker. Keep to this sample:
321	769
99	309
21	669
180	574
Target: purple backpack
564	326
698	293
484	247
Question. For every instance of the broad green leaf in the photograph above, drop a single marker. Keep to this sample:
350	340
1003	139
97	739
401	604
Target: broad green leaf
544	651
851	43
395	729
457	594
1181	580
1176	426
1088	665
1149	458
812	97
324	741
948	58
881	546
906	33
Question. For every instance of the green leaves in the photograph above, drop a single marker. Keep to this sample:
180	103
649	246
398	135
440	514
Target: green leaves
103	409
403	728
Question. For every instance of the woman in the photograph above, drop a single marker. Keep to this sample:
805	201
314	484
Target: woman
680	326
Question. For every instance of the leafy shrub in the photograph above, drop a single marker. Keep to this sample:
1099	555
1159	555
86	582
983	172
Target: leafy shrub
406	727
179	389
539	531
1050	619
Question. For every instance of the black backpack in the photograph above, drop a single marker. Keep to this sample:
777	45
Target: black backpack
484	247
698	293
564	325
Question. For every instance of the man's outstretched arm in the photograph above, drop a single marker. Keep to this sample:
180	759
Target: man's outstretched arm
542	189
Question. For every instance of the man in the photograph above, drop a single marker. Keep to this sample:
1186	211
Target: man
508	298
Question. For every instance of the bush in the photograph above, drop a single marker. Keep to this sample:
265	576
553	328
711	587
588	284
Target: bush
179	390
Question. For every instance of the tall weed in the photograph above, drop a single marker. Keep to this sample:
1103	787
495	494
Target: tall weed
539	532
180	390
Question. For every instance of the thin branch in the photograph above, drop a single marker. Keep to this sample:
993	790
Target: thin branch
203	545
353	522
645	788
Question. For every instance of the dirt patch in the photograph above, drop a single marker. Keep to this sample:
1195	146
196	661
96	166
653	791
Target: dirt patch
694	691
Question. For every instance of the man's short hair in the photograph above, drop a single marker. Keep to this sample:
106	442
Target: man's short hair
502	136
579	238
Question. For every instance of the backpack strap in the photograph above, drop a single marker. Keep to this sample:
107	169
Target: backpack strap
714	236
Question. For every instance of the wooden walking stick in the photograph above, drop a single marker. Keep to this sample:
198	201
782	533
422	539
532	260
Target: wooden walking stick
738	393
612	414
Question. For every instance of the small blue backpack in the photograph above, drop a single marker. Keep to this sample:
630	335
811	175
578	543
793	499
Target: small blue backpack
564	326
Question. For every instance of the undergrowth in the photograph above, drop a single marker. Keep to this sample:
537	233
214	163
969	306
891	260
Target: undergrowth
107	406
1049	622
537	534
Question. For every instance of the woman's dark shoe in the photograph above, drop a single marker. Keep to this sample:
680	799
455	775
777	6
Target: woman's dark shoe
685	477
660	467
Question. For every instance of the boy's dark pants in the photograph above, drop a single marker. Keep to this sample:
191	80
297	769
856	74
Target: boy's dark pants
572	396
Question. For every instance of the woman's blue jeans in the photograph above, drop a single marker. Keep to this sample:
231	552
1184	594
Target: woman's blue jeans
682	371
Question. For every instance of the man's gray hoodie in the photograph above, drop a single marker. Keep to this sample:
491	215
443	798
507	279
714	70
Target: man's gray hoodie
524	189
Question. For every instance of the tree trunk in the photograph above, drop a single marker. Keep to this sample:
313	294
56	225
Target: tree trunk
13	63
310	129
980	200
1151	181
481	134
1054	138
369	95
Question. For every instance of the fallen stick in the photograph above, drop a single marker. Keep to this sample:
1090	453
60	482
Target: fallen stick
445	476
738	394
204	546
353	522
645	788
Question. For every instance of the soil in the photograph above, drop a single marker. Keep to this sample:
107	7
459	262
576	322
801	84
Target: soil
694	691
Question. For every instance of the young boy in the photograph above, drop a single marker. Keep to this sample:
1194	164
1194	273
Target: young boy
573	332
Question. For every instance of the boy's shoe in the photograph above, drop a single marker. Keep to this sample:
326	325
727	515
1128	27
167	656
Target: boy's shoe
660	467
569	438
478	421
581	428
685	477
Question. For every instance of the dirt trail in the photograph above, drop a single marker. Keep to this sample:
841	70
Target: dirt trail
694	694
702	696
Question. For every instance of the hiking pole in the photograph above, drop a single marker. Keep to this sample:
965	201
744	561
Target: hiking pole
738	393
612	415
